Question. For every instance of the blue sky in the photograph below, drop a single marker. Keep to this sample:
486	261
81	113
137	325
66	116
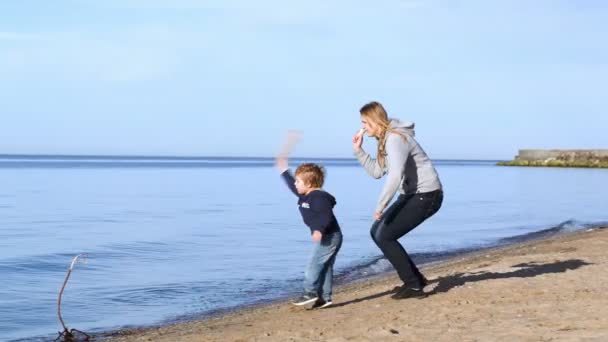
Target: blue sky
480	79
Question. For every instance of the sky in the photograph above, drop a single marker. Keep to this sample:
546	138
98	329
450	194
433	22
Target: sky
481	79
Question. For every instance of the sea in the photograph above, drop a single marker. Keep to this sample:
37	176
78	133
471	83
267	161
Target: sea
167	239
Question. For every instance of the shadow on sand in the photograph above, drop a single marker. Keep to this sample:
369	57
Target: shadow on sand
525	270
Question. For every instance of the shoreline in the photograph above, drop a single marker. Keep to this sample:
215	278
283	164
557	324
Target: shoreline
278	320
556	163
591	158
354	275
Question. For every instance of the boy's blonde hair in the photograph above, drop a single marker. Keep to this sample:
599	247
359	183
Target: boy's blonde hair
312	174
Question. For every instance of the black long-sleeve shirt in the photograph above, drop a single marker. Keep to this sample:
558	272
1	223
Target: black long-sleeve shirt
316	207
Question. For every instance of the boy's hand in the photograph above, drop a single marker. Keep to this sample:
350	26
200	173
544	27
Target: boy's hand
281	163
292	138
316	236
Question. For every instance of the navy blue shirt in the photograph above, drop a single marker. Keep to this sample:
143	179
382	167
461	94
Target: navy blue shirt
316	207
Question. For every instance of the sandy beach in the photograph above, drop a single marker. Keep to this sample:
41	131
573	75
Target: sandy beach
546	290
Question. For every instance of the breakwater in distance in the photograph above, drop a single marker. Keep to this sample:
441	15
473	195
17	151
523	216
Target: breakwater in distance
560	158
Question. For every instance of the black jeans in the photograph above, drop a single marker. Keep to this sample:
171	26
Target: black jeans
405	214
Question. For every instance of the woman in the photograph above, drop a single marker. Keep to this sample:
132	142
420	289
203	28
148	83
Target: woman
409	171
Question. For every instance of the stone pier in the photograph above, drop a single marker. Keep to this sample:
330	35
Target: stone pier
560	158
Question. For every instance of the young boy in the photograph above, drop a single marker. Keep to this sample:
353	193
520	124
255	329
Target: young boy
316	207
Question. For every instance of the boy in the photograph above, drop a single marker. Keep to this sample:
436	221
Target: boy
316	207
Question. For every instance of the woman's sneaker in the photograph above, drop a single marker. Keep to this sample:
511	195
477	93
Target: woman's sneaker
304	299
321	304
423	283
407	292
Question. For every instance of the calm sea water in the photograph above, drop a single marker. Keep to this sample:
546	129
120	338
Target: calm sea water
176	238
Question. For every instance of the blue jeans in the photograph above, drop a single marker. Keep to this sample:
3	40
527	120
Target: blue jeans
320	269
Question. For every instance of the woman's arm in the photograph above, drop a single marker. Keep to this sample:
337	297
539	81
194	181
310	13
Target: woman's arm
370	164
397	150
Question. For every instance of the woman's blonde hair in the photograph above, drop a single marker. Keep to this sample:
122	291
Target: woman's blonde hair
376	113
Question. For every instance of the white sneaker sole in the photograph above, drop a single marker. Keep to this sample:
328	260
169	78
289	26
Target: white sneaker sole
326	305
312	300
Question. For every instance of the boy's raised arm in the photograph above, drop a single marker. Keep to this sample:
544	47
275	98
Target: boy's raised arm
282	163
290	181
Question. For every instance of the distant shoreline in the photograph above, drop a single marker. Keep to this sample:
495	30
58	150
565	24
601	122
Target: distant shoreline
560	158
160	157
554	163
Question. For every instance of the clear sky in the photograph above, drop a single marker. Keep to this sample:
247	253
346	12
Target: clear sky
480	79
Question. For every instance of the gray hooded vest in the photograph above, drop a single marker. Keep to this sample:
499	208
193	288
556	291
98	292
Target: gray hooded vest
408	168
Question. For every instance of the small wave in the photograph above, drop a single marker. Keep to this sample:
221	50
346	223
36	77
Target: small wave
567	226
57	262
152	295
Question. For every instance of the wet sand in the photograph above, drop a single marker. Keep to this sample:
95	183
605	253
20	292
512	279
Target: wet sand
554	289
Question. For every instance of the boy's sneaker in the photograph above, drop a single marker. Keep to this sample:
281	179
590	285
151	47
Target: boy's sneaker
321	304
304	299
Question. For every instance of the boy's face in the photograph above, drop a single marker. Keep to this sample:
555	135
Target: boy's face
301	186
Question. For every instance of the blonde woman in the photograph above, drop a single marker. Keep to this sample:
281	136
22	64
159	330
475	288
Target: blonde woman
410	172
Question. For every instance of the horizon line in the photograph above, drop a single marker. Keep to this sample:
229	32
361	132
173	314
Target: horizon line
169	157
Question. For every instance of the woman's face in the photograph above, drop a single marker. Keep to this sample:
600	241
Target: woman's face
370	127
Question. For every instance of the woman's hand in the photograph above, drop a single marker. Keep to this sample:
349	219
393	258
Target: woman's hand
316	236
358	140
377	215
